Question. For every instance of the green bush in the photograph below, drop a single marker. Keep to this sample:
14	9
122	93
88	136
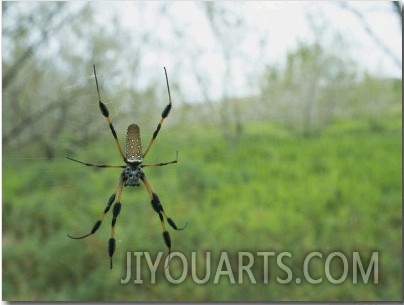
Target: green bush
273	192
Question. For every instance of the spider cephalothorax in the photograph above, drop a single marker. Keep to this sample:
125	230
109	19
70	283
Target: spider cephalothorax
132	173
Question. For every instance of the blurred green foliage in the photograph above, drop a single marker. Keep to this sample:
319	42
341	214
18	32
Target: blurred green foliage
340	191
311	161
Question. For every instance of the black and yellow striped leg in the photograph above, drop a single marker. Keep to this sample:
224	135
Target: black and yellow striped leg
162	163
115	212
97	165
164	114
105	113
99	221
158	208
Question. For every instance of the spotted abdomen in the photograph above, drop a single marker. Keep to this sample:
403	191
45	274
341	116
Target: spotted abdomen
133	144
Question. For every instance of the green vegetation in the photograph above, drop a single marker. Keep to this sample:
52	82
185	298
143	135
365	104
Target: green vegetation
298	155
340	191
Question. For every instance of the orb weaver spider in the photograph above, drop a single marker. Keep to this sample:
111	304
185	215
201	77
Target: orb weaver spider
132	173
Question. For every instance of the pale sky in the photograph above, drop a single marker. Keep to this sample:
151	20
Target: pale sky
271	30
282	23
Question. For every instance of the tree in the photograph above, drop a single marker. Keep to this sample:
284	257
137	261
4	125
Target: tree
49	49
24	80
228	27
311	89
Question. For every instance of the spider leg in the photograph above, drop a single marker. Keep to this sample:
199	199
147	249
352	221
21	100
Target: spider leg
162	163
97	165
105	113
115	212
164	114
158	208
99	221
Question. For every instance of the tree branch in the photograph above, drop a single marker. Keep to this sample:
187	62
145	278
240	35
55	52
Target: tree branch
13	70
26	123
371	33
399	10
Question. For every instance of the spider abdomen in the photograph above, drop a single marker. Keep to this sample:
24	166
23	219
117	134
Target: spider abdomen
133	144
131	175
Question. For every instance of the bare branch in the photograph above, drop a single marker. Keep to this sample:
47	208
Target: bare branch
17	66
399	10
26	123
371	33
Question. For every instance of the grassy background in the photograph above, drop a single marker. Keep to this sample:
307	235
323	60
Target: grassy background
340	191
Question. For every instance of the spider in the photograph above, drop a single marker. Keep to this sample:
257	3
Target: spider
132	173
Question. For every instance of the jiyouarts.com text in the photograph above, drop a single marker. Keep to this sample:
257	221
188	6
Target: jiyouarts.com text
264	267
